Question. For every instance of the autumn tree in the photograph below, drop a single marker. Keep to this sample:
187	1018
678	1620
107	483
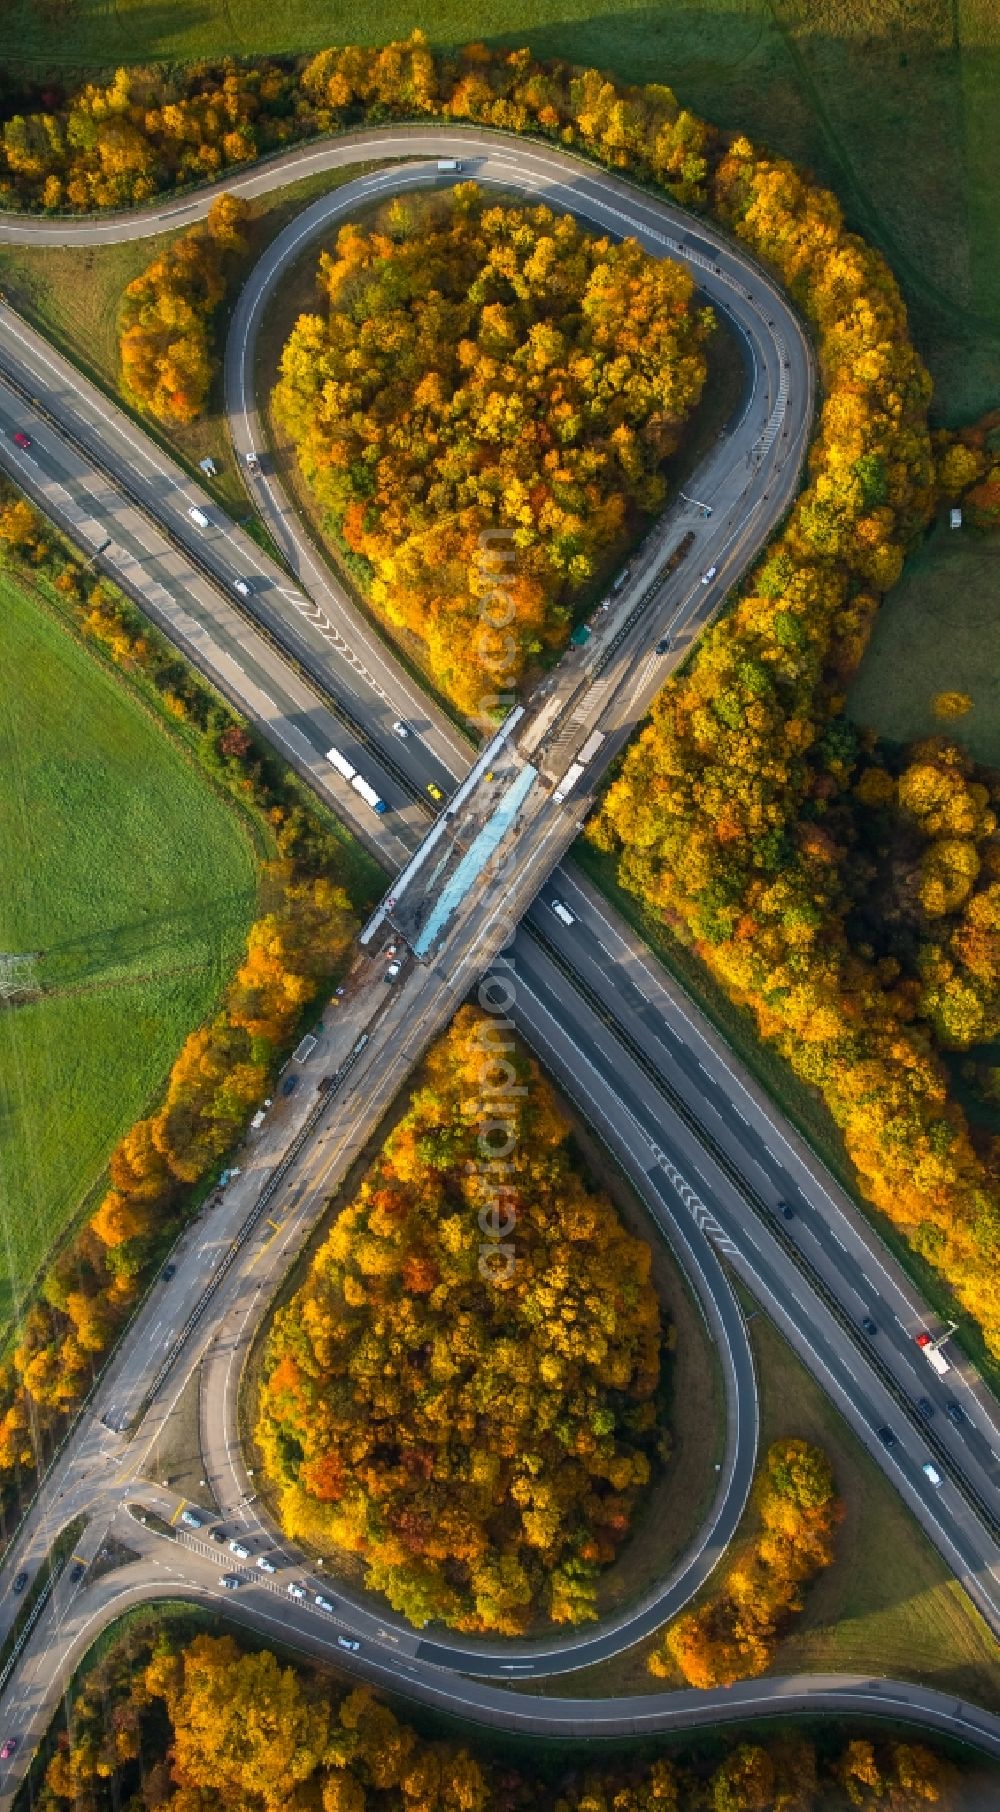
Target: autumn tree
166	314
204	1724
478	1430
488	377
732	1636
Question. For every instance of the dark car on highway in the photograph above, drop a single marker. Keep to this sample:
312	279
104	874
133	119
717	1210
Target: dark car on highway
925	1407
886	1436
77	1572
20	1582
868	1325
955	1413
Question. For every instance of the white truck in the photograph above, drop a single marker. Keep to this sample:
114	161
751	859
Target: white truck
349	772
933	1355
568	782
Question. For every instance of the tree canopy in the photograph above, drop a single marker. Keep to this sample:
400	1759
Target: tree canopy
727	816
733	1635
478	1438
488	381
166	315
204	1726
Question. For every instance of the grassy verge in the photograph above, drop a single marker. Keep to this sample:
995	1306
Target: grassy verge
888	1605
541	1759
938	630
691	1403
134	885
72	296
892	105
800	1104
300	294
175	1457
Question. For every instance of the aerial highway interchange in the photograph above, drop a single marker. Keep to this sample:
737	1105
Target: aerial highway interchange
712	1159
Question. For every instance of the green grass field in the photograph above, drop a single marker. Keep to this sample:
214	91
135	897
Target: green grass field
938	630
134	881
891	103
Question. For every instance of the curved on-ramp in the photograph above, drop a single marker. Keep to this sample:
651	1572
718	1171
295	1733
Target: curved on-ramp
563	181
69	1628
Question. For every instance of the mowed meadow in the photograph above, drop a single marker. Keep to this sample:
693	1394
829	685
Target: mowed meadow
133	883
891	102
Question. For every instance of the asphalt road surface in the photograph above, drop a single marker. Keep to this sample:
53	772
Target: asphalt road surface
300	661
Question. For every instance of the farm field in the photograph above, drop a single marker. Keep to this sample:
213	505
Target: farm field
135	884
937	631
893	104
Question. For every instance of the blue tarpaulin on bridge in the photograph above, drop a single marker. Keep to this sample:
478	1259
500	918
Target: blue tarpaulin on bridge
475	859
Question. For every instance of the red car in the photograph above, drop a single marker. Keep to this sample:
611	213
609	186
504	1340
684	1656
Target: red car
7	1748
21	440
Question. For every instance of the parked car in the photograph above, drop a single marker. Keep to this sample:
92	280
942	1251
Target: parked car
868	1325
230	1581
168	1272
192	1520
392	972
886	1436
7	1748
77	1572
20	1582
237	1548
295	1591
266	1565
289	1085
21	440
218	1535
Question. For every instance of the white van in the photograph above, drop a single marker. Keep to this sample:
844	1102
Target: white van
199	517
562	912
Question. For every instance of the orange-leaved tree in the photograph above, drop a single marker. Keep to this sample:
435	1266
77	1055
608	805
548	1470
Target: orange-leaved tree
478	1436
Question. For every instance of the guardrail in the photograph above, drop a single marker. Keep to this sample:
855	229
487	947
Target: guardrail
236	1246
281	644
986	1513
